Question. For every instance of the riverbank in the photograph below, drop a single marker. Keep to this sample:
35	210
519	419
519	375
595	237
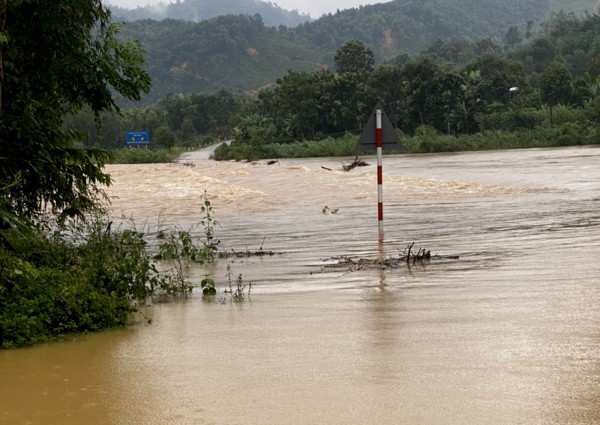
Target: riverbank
426	140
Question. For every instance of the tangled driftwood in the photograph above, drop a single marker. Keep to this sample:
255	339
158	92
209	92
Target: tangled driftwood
406	258
356	163
347	167
259	253
247	253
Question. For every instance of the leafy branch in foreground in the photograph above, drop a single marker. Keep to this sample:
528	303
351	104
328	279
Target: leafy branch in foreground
181	244
57	58
180	248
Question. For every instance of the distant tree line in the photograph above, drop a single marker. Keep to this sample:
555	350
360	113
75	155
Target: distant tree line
493	91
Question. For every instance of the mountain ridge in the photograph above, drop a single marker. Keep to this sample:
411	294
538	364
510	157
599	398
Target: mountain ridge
241	53
200	10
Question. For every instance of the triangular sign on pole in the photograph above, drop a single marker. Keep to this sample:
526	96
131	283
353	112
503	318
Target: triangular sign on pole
367	141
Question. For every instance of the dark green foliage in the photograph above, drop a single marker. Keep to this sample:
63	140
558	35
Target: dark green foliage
193	120
460	51
576	6
566	38
39	303
164	137
512	120
240	151
556	86
50	287
354	56
342	146
58	56
573	131
208	286
492	77
87	277
568	134
513	37
143	156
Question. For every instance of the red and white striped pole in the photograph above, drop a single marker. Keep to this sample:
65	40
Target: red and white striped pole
379	145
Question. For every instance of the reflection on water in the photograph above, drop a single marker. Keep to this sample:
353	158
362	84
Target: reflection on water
508	334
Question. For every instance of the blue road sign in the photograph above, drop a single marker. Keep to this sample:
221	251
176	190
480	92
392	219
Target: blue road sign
137	138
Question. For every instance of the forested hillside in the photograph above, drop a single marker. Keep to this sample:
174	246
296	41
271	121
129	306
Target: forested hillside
199	10
411	25
235	52
578	7
242	54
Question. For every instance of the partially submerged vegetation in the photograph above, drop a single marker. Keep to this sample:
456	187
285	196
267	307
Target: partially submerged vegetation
425	140
84	274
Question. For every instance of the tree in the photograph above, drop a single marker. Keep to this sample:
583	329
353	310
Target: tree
164	137
354	56
386	83
513	37
175	107
542	52
58	57
431	92
556	85
300	99
3	41
496	75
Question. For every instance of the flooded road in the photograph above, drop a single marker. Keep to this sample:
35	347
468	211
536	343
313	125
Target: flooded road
507	334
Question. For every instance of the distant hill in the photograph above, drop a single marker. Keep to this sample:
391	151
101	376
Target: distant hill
409	26
579	7
235	52
200	10
241	53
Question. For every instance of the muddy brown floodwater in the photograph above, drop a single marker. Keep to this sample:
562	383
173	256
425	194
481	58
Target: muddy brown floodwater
507	334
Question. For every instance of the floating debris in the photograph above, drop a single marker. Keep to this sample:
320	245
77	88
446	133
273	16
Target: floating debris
356	163
259	253
408	257
347	167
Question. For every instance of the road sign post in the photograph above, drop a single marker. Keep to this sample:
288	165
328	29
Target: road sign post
378	132
379	146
